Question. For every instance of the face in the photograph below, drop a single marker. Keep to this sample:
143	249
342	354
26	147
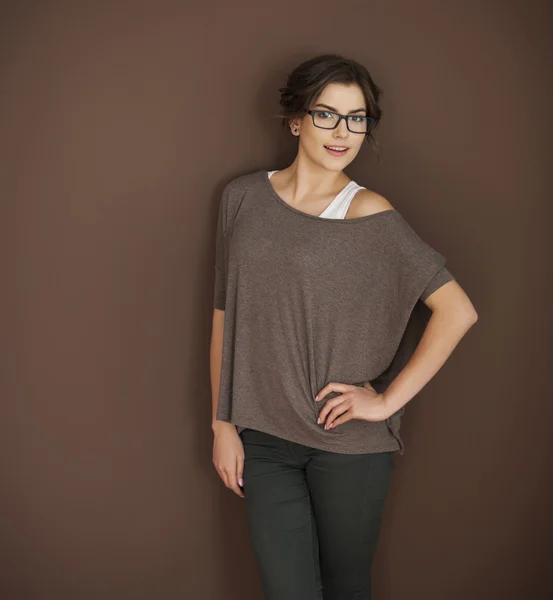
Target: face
340	98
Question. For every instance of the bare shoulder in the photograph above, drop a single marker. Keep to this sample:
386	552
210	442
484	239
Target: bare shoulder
366	202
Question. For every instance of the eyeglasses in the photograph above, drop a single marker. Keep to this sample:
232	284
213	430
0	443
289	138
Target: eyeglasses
326	119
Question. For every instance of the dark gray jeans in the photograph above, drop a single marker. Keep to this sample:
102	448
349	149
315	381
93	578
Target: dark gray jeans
314	517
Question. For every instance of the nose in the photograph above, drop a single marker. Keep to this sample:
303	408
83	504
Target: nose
342	129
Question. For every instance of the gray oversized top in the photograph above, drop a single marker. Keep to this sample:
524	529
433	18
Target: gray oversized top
309	300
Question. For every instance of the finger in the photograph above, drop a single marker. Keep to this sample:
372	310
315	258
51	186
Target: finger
231	481
322	393
222	475
233	477
330	405
236	489
240	471
347	416
335	413
332	386
327	408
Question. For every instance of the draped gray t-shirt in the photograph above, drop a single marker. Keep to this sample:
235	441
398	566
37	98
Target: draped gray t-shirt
309	300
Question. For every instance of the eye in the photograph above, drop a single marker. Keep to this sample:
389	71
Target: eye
322	113
361	119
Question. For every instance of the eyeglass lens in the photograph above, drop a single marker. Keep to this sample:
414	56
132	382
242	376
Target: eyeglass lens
327	120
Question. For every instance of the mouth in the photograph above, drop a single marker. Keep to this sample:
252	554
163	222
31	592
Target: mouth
337	150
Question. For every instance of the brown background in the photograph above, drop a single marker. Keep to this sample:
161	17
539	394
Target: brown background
121	123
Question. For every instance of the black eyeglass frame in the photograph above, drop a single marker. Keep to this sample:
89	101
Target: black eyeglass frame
340	117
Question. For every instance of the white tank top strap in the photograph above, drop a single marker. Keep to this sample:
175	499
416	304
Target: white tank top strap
338	207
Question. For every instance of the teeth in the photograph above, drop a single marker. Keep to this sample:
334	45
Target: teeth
336	147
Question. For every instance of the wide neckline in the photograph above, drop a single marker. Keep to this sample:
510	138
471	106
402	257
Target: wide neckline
282	202
335	201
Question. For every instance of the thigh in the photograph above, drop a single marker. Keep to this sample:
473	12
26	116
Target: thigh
280	519
348	493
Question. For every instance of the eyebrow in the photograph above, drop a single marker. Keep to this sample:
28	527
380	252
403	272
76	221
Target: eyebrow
336	110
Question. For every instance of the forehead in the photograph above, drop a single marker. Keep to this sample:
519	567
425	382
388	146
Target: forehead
342	96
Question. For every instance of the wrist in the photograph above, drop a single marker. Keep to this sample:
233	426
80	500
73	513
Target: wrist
218	425
386	407
391	404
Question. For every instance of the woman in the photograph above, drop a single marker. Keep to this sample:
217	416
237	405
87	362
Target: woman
320	337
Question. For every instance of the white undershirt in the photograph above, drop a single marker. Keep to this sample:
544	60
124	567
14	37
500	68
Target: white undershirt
339	206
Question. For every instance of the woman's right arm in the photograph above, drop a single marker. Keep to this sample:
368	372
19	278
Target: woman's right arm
216	353
228	451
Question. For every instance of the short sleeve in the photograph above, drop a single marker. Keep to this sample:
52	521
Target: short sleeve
420	271
421	267
219	293
439	279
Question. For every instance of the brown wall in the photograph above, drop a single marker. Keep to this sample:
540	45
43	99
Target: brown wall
124	120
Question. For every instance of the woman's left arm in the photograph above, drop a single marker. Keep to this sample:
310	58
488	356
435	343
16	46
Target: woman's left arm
452	316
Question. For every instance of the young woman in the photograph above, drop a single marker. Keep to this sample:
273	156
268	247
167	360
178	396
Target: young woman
320	337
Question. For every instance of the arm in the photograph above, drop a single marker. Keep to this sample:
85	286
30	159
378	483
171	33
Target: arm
215	355
452	316
228	451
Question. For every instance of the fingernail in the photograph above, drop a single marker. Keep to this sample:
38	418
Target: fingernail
318	421
241	482
317	397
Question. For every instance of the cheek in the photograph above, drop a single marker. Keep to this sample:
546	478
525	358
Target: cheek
313	146
312	139
355	150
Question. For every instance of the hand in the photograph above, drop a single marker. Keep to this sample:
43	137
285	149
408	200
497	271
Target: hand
228	456
354	402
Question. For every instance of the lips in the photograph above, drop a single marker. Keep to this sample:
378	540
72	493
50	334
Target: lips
336	152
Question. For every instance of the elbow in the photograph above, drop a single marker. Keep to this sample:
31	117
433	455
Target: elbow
464	316
471	317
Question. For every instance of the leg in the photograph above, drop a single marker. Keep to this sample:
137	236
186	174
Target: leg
280	519
348	493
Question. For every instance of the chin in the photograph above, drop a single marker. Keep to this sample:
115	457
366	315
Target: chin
333	164
336	165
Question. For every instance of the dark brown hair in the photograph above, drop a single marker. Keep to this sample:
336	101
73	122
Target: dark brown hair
306	82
